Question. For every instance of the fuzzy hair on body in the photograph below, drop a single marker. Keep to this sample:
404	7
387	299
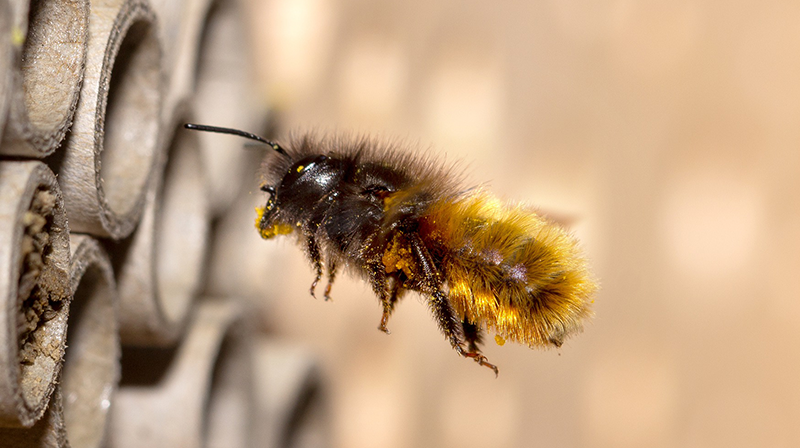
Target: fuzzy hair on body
404	222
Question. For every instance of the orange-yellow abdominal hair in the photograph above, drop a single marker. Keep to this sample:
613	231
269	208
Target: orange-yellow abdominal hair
510	269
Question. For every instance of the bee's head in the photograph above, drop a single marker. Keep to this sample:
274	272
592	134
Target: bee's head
300	179
300	193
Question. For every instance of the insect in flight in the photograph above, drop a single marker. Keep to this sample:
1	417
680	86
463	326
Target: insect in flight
404	224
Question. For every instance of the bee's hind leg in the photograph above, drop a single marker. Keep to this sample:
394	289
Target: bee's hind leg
453	328
450	324
473	337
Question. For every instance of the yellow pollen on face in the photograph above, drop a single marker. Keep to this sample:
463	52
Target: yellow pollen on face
274	230
300	168
259	217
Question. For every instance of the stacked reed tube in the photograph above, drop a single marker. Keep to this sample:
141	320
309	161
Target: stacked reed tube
106	212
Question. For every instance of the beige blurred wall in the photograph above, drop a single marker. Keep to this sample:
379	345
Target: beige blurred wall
669	131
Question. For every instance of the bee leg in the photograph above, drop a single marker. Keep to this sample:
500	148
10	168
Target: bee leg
473	337
331	277
482	360
449	325
387	311
430	283
378	280
446	317
388	305
316	261
447	320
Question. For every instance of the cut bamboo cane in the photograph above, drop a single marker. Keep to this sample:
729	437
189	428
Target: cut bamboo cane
182	22
165	394
78	410
6	52
111	150
291	406
34	289
228	421
91	362
48	432
46	76
160	270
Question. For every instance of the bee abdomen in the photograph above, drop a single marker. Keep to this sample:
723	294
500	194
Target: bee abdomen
511	270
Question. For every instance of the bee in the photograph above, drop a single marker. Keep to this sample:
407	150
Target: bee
404	223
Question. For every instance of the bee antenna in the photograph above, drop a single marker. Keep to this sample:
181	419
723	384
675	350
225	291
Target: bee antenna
251	136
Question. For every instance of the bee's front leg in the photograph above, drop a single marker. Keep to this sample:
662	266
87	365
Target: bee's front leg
389	302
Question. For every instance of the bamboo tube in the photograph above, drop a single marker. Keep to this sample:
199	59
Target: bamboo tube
49	431
46	75
13	25
6	50
18	18
229	421
161	269
91	364
225	96
78	409
34	289
165	394
290	406
182	22
111	150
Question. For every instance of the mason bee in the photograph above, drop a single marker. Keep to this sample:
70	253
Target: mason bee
403	223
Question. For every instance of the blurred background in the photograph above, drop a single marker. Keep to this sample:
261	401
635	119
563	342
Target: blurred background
666	131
